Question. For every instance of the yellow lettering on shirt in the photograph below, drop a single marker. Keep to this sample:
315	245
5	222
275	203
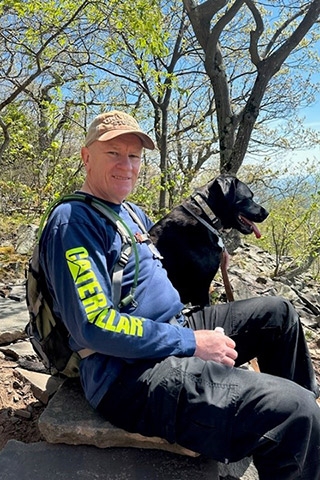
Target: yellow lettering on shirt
93	299
95	302
88	289
136	327
76	254
123	326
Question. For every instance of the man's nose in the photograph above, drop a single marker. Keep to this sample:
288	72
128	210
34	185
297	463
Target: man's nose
125	161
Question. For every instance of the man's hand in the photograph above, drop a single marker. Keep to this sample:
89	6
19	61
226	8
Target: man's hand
211	345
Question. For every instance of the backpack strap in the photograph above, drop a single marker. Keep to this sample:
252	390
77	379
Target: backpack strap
128	243
128	246
145	237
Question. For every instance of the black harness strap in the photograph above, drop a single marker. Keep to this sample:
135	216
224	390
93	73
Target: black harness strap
200	201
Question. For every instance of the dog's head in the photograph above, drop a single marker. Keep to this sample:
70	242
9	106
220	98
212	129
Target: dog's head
232	202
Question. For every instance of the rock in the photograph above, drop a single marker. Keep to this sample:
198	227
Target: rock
20	349
285	291
38	461
13	318
69	419
26	239
43	386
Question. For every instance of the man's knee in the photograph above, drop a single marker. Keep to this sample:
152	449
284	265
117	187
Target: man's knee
281	309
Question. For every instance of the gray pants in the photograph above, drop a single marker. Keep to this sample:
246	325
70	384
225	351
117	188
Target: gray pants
229	413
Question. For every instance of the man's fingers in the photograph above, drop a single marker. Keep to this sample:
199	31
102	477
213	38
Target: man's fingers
228	362
231	353
230	342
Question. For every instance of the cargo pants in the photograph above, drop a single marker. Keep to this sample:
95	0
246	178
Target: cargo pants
229	413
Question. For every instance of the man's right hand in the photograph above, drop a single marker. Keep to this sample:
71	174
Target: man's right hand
212	345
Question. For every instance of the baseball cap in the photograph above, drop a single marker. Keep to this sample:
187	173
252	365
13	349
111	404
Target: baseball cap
109	125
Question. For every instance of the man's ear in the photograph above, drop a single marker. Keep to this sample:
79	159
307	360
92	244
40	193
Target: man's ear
85	155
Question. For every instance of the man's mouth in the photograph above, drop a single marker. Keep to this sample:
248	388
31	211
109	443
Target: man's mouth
118	177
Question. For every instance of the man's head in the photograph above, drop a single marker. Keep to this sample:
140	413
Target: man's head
109	125
112	155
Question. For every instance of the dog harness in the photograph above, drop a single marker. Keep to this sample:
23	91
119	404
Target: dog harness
212	217
224	259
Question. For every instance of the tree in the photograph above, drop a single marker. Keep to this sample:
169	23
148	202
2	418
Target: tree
34	36
41	53
292	230
62	63
159	74
268	43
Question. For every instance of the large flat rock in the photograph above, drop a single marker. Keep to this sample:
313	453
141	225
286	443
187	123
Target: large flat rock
69	419
43	461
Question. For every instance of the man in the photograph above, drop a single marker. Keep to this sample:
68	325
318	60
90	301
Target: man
158	371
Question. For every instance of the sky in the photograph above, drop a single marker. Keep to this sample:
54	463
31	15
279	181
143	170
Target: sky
311	120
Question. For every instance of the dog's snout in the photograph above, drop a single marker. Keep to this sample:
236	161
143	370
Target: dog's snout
264	214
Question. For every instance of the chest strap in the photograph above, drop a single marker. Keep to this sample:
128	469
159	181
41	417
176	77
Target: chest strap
224	257
207	225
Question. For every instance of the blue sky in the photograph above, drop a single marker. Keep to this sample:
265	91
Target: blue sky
312	114
311	120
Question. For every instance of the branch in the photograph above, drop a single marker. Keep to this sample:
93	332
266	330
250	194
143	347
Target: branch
281	29
277	58
221	24
200	17
255	34
6	141
267	68
20	88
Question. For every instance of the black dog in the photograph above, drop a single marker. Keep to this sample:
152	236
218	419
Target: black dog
188	237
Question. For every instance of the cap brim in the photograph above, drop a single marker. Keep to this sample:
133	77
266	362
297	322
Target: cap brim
147	141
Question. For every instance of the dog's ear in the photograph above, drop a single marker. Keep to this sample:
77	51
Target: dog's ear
228	186
233	189
221	197
243	192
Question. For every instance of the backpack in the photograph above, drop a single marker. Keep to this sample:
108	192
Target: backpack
47	333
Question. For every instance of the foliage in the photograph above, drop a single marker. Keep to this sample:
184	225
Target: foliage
247	70
210	81
292	230
16	197
64	62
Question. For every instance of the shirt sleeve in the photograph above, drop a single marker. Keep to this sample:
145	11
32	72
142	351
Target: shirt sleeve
78	252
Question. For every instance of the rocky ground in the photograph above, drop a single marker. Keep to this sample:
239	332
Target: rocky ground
19	409
250	274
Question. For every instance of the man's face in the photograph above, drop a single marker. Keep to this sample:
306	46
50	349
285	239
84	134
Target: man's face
112	167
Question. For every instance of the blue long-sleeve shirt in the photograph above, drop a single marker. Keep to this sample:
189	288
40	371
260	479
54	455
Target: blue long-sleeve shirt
79	248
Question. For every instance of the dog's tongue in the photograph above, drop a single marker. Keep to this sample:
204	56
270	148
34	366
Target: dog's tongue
255	229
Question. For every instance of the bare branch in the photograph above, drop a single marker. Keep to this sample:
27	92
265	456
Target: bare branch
37	57
255	34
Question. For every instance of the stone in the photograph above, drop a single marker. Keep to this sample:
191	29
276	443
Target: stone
39	461
26	239
43	386
13	319
69	419
20	349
